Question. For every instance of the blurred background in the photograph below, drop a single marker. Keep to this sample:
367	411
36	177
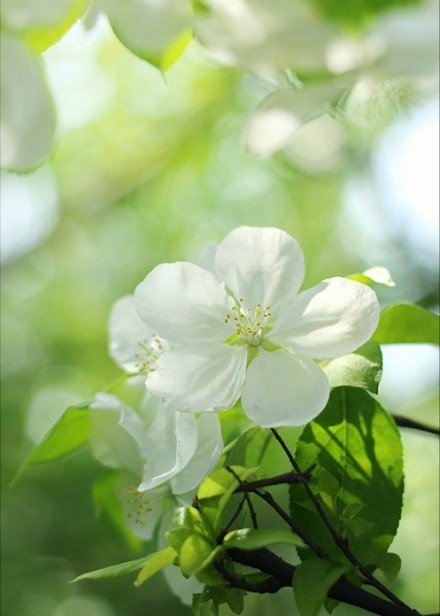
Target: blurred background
147	169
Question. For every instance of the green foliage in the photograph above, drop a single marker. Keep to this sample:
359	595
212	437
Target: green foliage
253	539
356	448
357	13
69	433
311	582
407	323
362	368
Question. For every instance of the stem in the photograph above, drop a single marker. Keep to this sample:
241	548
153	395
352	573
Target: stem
339	541
283	574
405	422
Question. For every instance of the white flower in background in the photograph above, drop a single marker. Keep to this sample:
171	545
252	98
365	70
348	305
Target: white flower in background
165	453
243	329
132	344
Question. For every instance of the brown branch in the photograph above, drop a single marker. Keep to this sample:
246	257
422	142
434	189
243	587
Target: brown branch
282	574
285	478
341	543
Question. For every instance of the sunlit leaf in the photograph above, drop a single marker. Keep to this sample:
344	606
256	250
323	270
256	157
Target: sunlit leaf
69	433
114	571
154	563
359	13
194	553
157	32
356	441
362	368
41	24
407	323
311	582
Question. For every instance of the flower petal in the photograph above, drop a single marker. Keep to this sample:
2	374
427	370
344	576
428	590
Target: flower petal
333	318
209	449
182	302
262	265
143	510
179	432
284	389
130	338
200	377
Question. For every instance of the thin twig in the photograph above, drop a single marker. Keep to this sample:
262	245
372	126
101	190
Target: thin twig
341	543
285	478
405	422
243	487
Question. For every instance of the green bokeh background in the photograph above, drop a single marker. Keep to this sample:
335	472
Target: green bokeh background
159	173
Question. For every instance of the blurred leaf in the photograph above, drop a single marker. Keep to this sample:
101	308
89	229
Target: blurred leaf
157	32
362	368
407	323
235	599
114	571
311	582
154	563
41	24
377	274
253	539
356	441
28	117
69	433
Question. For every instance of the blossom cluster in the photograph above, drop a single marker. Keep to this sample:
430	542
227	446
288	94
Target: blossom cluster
197	337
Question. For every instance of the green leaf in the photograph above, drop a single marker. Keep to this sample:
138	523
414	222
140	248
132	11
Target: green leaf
389	563
196	553
311	582
249	448
154	563
357	442
407	323
253	539
235	599
69	433
114	571
362	368
359	13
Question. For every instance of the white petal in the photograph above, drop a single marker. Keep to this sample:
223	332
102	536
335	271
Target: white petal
169	445
262	265
206	257
130	338
182	302
333	318
111	443
209	449
283	389
202	377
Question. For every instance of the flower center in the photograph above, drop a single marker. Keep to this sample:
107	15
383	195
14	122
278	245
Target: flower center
250	323
149	353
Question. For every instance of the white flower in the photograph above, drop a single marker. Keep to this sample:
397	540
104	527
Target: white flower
243	329
166	453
